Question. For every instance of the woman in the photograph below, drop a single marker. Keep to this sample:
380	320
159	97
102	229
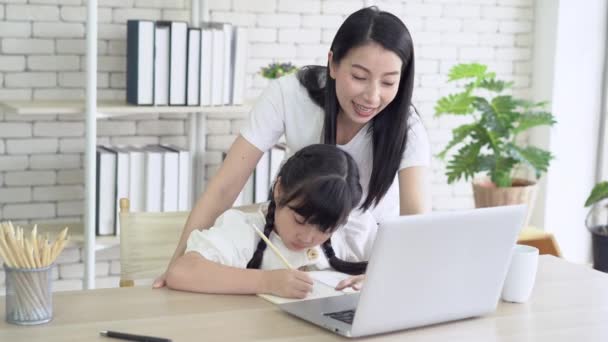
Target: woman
360	102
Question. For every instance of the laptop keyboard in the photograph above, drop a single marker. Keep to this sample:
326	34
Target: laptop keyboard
344	316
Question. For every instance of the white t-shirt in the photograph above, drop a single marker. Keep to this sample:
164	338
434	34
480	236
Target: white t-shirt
232	241
286	108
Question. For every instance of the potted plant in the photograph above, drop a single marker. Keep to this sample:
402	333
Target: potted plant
276	70
597	224
488	143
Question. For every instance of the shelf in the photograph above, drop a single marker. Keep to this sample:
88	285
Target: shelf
108	108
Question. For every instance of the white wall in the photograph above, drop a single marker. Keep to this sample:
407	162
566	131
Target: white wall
572	81
42	57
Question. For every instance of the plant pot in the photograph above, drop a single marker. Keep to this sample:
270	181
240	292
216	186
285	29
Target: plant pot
487	194
599	244
597	224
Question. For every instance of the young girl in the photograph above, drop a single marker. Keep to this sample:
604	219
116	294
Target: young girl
314	193
360	102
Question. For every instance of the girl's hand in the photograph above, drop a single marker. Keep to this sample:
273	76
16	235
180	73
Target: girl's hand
287	283
356	282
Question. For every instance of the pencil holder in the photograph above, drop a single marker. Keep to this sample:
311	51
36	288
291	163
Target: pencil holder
29	299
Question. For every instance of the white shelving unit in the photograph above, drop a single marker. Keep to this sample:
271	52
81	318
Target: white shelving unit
94	109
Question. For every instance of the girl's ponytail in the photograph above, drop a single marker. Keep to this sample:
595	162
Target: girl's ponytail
353	268
256	260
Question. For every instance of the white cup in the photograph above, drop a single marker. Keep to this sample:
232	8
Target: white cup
521	275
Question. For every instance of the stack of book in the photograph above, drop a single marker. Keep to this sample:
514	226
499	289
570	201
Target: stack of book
169	63
154	178
257	188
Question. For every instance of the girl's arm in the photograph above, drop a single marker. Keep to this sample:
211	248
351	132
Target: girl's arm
192	272
221	192
415	190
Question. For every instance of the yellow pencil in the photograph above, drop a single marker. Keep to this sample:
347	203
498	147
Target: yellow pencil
274	249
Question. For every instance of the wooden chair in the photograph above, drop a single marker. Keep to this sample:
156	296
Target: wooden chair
148	240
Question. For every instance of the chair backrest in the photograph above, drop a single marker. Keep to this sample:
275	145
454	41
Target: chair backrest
148	240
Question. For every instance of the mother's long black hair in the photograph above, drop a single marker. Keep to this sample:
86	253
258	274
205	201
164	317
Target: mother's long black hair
389	128
321	184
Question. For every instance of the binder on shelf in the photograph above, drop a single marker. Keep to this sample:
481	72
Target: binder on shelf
140	62
137	180
178	63
105	217
206	66
228	66
154	178
122	180
240	43
170	190
161	63
185	178
194	65
217	63
262	179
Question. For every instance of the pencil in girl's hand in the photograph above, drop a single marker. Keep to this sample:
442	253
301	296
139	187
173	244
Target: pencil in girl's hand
274	249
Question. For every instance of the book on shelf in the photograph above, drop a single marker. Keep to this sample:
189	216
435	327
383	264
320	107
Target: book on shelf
194	65
239	62
184	177
105	192
178	62
206	66
161	63
169	63
140	62
228	66
154	178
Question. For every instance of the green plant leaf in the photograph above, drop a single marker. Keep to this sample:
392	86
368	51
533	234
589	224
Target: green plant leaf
599	192
537	158
530	120
458	135
454	104
464	163
494	85
461	71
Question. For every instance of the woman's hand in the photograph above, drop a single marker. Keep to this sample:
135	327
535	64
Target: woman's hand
160	281
287	283
356	282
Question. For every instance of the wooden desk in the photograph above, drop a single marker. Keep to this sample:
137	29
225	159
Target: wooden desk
569	303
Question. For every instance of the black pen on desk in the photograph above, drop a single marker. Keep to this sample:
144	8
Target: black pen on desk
132	337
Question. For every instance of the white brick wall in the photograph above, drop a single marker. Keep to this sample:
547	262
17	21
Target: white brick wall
42	55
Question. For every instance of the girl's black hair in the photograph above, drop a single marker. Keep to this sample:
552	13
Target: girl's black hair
389	128
321	184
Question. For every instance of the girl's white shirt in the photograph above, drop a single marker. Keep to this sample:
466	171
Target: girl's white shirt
232	241
285	108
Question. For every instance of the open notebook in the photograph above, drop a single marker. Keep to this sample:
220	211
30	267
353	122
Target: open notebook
324	286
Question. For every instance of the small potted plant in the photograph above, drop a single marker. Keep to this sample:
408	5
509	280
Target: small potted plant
276	70
488	143
597	224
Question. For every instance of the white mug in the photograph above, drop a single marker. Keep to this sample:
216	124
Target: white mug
521	275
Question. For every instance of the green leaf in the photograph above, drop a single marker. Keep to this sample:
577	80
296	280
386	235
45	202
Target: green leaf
459	134
494	85
501	173
530	120
454	104
461	71
537	158
599	192
464	163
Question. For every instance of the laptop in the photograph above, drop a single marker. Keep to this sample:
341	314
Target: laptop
423	270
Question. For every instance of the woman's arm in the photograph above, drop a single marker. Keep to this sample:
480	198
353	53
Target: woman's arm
192	272
415	190
221	192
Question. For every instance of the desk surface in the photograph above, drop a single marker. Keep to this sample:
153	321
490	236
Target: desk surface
570	302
